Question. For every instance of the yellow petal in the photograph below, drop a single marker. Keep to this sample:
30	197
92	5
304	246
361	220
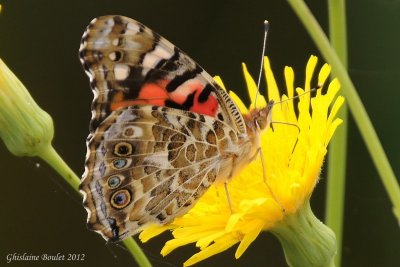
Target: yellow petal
335	108
232	221
242	107
312	62
293	160
256	227
251	85
273	91
220	245
205	242
153	230
193	236
333	127
218	80
323	74
289	79
253	90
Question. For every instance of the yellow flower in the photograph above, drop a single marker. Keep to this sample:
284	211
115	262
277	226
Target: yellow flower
24	127
293	159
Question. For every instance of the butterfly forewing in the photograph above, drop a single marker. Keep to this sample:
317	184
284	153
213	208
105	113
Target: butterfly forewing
128	64
161	129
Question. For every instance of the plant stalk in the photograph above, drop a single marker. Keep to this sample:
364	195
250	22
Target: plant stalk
337	157
356	106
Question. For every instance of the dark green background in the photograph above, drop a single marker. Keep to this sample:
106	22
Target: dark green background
40	41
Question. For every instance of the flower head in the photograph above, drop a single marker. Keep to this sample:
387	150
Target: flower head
293	148
24	127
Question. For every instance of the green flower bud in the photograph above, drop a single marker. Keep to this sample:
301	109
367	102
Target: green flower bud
24	127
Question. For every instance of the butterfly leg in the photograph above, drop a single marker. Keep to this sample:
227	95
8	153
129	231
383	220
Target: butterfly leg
233	157
290	124
227	196
266	182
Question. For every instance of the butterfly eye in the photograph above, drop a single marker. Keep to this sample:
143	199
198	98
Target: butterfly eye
121	199
114	181
120	163
123	149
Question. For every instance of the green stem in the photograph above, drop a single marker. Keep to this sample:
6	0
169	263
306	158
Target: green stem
357	108
338	146
137	252
50	155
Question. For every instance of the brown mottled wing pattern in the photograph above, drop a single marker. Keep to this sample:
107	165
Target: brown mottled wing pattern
149	159
149	164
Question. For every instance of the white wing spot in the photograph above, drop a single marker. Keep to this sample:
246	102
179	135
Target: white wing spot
132	45
109	22
105	31
112	56
150	60
100	43
132	28
93	21
162	52
121	71
115	42
132	132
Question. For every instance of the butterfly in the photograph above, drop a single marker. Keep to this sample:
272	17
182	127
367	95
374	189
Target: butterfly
162	130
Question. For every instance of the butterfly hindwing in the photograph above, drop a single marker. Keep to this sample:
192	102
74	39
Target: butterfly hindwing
148	164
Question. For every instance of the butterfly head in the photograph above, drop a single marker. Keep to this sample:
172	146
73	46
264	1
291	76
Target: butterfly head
260	118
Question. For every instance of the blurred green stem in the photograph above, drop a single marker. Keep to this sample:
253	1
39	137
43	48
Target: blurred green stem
50	155
337	148
357	108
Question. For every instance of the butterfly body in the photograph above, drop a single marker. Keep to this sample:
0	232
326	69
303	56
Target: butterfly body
162	131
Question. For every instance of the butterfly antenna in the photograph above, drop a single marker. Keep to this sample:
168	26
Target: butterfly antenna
298	96
266	28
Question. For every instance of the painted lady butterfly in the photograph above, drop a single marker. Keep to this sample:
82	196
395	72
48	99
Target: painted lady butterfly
162	131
